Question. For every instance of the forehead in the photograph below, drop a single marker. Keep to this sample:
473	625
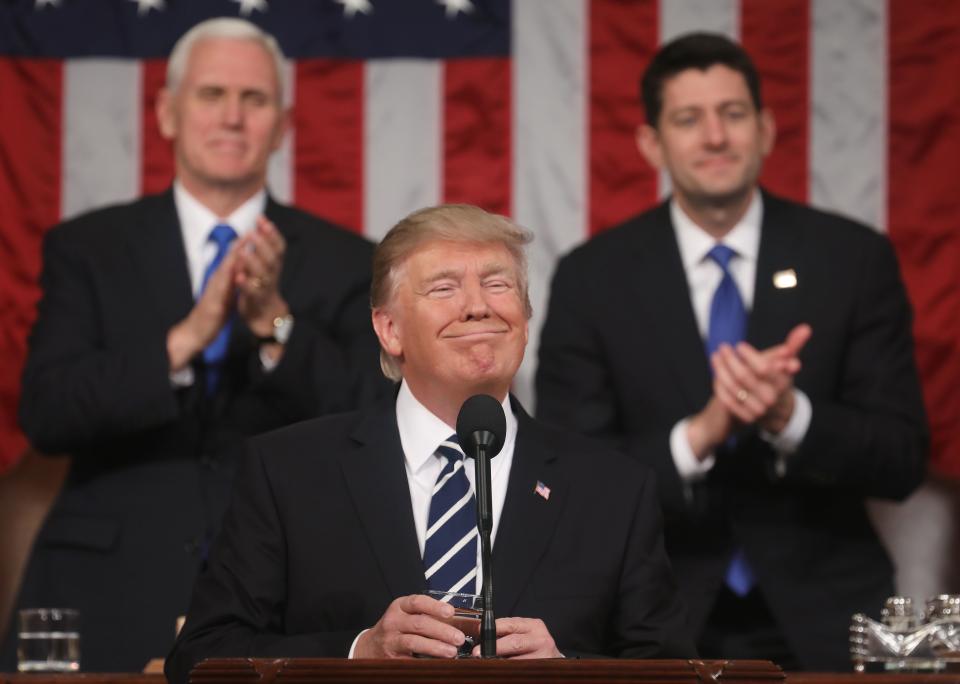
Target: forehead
231	62
441	256
705	88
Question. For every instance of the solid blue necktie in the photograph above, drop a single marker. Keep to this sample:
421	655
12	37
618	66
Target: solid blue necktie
728	324
450	549
222	236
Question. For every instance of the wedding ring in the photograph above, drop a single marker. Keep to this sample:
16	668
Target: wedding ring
742	395
256	283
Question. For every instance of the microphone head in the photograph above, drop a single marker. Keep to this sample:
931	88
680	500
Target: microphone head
481	421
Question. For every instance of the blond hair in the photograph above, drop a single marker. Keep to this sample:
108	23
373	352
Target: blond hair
450	223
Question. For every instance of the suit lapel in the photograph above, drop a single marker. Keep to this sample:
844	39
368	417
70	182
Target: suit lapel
156	245
775	308
377	482
664	294
528	521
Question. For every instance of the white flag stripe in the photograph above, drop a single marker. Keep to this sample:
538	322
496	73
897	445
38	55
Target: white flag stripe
280	172
453	510
449	554
683	16
848	110
403	126
101	145
549	146
466	578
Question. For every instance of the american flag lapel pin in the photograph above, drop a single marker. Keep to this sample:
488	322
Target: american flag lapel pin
542	490
785	280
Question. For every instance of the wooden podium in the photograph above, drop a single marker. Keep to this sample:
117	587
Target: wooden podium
330	671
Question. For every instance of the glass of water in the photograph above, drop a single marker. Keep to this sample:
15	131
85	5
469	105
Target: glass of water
467	611
48	640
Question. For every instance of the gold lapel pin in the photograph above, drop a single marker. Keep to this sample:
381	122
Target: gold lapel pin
784	280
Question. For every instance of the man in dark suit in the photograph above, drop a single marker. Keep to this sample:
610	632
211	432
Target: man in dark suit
757	355
339	524
158	348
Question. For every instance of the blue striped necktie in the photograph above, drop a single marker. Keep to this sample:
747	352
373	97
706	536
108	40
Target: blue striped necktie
450	549
728	323
213	355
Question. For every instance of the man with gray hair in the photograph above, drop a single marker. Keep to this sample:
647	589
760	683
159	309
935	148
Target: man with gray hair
170	329
339	525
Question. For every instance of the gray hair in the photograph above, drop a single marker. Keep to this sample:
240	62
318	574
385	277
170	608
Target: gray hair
451	223
223	27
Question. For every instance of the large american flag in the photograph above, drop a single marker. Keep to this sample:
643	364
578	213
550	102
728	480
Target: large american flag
526	107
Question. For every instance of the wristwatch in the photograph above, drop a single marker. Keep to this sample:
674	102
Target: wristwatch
282	328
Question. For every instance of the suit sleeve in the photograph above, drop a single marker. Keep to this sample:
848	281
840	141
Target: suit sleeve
331	361
239	600
651	619
75	389
576	388
870	435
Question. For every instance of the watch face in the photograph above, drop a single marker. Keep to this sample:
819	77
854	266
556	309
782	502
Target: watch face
282	327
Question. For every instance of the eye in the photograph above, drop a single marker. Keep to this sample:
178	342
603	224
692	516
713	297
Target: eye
209	93
497	285
256	99
441	290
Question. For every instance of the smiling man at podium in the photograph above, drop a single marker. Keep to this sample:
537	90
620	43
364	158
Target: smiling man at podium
339	525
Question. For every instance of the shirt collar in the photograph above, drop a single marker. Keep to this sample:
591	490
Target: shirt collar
196	220
421	432
694	242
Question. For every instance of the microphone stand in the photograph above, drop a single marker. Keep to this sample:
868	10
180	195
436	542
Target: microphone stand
488	628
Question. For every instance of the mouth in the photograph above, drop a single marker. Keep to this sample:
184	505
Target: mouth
475	335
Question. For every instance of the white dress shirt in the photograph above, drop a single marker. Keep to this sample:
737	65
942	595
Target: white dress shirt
703	277
421	433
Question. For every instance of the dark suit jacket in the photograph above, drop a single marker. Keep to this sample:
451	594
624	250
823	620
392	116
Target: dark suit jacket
621	358
152	464
319	539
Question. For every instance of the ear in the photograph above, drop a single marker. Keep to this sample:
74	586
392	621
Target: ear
385	326
648	142
166	116
768	131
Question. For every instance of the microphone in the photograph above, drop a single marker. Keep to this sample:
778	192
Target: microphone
481	428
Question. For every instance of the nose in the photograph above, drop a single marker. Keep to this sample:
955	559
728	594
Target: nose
232	112
714	130
475	304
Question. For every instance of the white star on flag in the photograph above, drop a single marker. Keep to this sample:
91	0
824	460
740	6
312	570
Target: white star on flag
247	6
351	7
44	3
456	6
144	6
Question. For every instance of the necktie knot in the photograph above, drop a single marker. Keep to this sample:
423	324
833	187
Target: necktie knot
450	449
722	255
222	235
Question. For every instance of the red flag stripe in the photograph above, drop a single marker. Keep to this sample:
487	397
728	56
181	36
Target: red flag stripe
923	204
476	133
30	168
777	36
157	152
622	41
328	143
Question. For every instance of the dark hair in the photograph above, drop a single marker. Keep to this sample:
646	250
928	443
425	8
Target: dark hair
694	51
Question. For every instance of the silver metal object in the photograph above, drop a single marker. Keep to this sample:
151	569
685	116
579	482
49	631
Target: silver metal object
904	642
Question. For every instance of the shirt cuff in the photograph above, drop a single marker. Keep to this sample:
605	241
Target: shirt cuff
689	467
267	363
353	646
789	439
182	378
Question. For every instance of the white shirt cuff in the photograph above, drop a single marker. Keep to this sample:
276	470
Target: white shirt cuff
182	378
789	439
353	646
267	363
689	467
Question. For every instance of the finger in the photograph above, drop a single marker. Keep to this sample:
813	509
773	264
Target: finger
269	231
264	255
730	402
747	386
429	627
426	605
798	337
408	644
761	364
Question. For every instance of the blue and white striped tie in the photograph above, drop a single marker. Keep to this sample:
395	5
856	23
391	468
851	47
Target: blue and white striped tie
450	551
